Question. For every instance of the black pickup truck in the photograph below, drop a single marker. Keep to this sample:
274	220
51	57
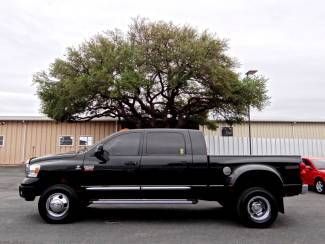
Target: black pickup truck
160	166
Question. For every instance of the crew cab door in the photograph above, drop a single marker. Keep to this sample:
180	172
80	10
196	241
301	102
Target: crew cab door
117	175
164	169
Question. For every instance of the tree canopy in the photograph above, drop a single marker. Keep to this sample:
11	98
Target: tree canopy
156	75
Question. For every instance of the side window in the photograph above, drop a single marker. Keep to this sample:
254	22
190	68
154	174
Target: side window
227	131
1	141
65	140
165	143
124	145
86	140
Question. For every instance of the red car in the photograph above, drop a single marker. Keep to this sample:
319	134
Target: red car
313	173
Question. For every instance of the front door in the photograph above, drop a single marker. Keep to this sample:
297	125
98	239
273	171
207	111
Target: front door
116	176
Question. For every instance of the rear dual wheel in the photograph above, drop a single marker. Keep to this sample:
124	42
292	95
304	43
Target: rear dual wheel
257	207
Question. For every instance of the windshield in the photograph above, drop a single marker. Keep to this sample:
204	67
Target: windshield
319	163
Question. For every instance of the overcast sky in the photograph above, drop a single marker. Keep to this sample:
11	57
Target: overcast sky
283	40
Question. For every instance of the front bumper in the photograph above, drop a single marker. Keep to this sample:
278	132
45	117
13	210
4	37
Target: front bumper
27	192
28	189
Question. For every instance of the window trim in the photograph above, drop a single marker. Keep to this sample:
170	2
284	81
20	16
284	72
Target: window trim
145	150
86	145
3	141
73	141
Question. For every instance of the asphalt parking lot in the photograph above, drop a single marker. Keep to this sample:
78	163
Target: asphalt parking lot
206	222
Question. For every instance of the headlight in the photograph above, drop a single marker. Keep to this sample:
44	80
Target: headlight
32	170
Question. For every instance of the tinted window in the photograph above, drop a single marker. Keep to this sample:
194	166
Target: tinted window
1	141
198	143
165	143
126	145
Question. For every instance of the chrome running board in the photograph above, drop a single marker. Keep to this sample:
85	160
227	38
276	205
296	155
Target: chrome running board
144	201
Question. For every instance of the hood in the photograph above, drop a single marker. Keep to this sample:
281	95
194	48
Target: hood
52	157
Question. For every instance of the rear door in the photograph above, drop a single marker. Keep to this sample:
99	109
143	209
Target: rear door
164	169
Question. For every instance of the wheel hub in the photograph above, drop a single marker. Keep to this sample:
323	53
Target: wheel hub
259	209
57	204
319	186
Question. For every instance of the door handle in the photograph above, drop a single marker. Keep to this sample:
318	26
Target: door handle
130	163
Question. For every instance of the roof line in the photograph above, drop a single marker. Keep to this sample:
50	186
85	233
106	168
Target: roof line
45	118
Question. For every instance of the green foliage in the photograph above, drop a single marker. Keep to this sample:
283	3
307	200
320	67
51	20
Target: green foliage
156	75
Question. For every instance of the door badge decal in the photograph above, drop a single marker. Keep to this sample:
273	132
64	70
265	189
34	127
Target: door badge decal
89	167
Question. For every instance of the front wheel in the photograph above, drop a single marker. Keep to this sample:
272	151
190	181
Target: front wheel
257	207
319	186
58	204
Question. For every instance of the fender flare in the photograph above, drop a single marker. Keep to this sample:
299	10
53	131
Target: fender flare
242	170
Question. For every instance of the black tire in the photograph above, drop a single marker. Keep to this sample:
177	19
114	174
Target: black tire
319	186
257	207
58	204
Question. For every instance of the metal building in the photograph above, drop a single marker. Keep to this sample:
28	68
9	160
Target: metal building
24	137
267	138
272	129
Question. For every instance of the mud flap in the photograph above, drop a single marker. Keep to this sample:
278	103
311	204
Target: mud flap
281	205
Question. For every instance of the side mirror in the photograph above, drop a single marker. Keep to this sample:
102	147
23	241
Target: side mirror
100	153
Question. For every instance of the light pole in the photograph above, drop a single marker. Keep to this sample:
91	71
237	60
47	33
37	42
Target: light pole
248	73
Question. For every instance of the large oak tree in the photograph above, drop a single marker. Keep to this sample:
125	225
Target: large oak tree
156	75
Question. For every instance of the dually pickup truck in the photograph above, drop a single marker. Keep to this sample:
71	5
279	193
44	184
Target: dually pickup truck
160	166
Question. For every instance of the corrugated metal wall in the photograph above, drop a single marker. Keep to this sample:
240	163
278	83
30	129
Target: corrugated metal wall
218	145
269	138
25	139
303	130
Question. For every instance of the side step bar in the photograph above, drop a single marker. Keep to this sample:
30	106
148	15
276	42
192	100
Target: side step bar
144	201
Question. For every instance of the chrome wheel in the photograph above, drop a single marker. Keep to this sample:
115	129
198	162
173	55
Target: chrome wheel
319	186
57	205
259	209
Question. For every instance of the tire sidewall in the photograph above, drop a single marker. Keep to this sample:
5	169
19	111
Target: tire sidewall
242	203
73	204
